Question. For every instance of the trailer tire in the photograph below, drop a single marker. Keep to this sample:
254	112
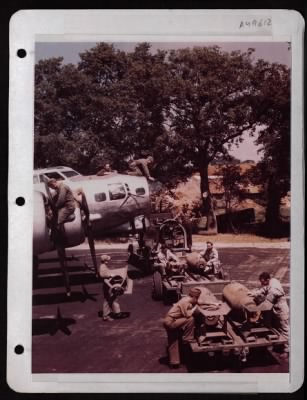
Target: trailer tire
157	290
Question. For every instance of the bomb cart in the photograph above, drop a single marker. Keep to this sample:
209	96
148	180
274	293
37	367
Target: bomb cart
188	270
234	325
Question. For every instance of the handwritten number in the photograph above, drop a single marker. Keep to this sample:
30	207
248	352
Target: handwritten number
256	23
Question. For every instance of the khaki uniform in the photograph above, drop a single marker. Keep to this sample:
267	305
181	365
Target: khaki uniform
211	256
64	203
275	294
179	321
140	167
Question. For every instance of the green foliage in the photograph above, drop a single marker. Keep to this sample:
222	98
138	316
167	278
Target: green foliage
272	82
185	107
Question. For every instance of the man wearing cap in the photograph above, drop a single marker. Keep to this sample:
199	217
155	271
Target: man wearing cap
272	291
110	303
179	321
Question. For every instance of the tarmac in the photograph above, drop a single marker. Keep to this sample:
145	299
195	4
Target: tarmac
69	335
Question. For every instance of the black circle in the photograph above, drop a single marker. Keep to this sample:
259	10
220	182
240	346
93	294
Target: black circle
19	349
21	53
20	201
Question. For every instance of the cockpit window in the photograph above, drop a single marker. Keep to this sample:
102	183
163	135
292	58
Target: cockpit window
100	197
116	191
70	173
140	191
54	175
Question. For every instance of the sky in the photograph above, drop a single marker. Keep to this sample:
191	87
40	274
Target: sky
268	51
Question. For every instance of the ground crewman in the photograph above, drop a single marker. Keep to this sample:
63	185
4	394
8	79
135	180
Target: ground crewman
272	291
140	167
179	323
64	201
211	257
110	307
167	260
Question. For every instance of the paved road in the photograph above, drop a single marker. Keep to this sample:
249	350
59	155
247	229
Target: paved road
69	336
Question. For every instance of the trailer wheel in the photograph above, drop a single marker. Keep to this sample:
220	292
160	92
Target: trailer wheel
157	292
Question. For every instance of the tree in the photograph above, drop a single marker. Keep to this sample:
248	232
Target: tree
126	111
233	183
62	98
210	109
272	82
186	107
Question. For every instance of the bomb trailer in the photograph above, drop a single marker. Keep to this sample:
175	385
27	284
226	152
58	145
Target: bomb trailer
230	320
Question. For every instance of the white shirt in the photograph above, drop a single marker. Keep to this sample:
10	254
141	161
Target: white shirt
275	294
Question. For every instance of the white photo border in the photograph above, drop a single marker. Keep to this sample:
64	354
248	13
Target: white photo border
30	26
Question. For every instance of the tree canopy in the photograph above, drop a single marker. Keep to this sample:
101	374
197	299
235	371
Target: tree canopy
186	107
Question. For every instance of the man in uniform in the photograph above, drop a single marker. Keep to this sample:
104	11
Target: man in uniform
179	322
64	204
272	291
106	170
211	257
110	307
167	260
140	167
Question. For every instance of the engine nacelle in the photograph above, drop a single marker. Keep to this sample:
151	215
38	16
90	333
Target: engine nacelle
41	236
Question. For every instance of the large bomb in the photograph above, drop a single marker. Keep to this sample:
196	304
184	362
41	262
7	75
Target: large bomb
237	296
195	261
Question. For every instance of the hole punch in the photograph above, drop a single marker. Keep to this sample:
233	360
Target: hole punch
19	349
20	201
21	53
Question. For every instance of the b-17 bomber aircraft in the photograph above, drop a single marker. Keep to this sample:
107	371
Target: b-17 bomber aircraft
106	204
115	201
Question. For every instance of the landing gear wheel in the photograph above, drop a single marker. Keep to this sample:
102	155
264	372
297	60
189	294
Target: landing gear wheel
157	290
147	262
